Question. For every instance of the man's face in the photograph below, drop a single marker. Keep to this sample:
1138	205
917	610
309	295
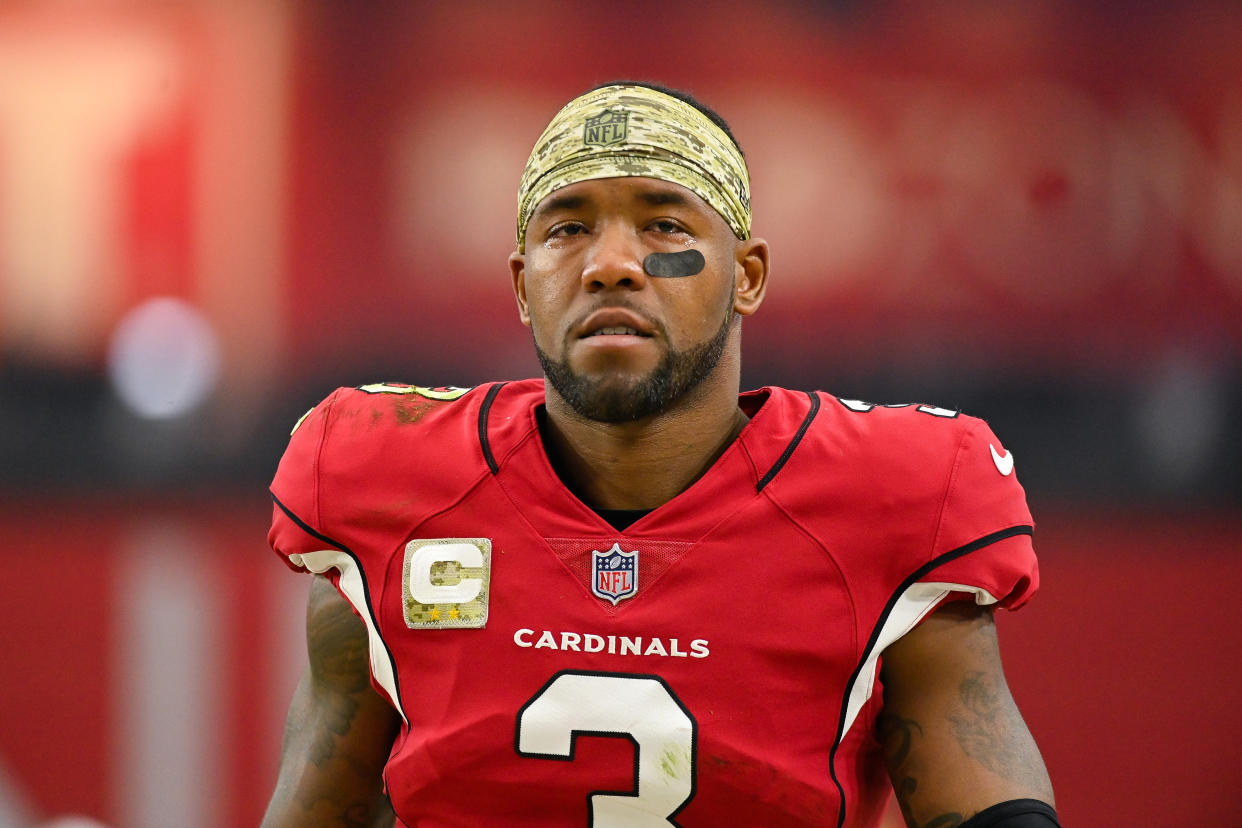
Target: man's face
616	343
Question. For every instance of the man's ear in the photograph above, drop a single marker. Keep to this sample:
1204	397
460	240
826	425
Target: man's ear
517	267
750	275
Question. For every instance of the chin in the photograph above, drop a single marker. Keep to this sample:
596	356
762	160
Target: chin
625	396
613	399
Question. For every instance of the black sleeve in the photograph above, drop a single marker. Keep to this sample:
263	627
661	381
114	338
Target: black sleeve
1016	813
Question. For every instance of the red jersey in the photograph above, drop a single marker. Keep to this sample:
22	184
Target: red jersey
715	663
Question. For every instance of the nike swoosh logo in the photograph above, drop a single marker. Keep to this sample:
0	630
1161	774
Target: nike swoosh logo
1004	462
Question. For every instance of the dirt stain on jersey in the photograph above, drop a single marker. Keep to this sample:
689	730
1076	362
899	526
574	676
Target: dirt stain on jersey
675	764
801	803
391	513
410	410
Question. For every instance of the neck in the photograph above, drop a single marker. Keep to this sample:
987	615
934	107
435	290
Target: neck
645	463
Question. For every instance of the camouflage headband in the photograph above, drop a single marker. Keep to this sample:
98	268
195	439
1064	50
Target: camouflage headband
622	131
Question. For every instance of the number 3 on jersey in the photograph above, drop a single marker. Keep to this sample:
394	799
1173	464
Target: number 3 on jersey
639	707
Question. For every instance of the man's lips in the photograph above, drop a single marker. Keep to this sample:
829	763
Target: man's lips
614	331
613	322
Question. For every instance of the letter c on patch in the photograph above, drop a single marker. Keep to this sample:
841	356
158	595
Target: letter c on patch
426	592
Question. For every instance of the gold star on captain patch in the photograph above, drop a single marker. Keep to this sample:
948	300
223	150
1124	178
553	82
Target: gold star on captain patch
435	615
453	613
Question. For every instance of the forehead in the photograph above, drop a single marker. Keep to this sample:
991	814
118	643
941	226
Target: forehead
622	191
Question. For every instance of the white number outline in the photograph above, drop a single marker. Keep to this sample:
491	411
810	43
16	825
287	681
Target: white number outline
605	683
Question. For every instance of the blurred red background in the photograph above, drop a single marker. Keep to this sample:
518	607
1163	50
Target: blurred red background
213	213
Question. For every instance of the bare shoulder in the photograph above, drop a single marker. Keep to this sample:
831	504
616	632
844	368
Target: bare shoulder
954	740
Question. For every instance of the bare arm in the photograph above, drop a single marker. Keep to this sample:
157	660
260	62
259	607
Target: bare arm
339	730
953	738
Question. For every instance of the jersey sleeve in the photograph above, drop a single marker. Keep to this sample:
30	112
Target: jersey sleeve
983	539
295	488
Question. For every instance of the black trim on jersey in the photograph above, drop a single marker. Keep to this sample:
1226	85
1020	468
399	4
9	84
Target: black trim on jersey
793	444
986	540
362	574
575	733
305	527
484	410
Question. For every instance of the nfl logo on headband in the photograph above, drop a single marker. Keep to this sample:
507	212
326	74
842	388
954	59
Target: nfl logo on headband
623	130
614	574
606	128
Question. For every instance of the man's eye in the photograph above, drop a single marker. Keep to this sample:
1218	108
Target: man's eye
567	229
668	226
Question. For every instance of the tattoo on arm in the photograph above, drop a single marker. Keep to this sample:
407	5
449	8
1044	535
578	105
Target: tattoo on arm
337	642
897	736
339	730
984	727
950	732
337	723
338	656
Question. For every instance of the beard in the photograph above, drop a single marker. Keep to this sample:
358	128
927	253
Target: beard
611	400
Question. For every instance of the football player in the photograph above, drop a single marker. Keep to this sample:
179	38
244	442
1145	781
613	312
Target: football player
626	593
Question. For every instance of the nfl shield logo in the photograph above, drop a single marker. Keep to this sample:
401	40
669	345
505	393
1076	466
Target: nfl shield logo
614	574
606	128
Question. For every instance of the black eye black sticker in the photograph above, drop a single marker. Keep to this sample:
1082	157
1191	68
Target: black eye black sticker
674	265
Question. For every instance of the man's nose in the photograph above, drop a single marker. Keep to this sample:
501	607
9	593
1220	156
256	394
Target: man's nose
614	261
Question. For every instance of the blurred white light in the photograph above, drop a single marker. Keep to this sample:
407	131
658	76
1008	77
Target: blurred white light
72	822
164	358
1181	419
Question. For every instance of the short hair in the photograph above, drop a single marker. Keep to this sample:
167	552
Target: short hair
684	97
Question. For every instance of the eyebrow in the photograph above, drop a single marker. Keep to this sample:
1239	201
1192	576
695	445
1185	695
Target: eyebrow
576	202
663	197
555	203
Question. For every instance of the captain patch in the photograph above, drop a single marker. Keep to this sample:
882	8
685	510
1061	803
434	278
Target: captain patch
445	583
